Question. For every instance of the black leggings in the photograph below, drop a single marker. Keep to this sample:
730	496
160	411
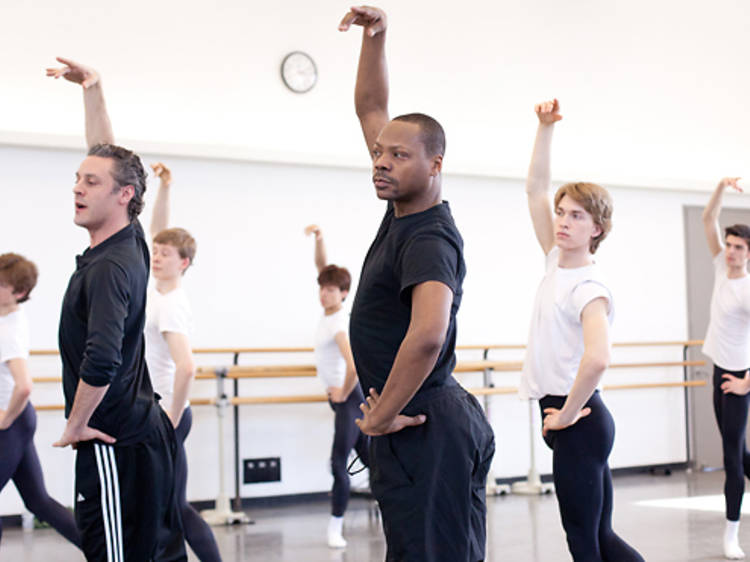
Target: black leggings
19	461
346	437
731	417
197	532
583	483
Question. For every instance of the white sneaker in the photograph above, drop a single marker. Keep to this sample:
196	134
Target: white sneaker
336	540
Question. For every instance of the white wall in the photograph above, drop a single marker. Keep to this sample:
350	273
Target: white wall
253	285
653	93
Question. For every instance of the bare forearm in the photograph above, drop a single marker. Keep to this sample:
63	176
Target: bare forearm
182	381
86	400
321	259
713	207
371	90
538	179
350	381
590	372
18	400
414	362
160	214
98	126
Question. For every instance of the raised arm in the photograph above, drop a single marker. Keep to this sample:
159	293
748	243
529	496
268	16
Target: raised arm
538	179
98	126
21	391
711	215
160	214
594	362
371	91
320	246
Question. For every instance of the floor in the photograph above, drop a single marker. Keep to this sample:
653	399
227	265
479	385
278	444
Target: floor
686	527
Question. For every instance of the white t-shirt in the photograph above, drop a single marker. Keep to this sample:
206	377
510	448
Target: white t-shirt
555	346
727	341
14	344
168	312
329	362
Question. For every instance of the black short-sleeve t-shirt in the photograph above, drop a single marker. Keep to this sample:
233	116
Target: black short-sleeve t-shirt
406	251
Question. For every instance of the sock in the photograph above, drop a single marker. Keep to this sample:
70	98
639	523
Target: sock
732	549
335	528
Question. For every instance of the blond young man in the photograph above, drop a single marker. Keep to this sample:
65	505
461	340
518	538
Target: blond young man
569	349
169	355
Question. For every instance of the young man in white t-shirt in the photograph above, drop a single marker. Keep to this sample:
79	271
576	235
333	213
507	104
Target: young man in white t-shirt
569	349
727	343
18	457
169	355
335	368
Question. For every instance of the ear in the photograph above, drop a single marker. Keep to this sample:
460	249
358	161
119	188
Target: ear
597	231
19	295
344	294
436	165
184	264
126	194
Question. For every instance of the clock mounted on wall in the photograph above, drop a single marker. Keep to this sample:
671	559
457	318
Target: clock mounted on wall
298	71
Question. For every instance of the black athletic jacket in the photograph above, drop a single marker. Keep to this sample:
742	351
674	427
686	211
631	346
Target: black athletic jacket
101	334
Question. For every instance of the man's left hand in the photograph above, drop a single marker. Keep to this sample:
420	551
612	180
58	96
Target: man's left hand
370	426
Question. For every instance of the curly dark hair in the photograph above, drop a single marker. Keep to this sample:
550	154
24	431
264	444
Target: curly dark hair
128	170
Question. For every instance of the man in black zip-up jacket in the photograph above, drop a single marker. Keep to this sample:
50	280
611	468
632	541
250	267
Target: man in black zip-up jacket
125	501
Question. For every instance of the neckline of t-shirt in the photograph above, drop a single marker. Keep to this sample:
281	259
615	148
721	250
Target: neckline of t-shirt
575	269
6	317
441	205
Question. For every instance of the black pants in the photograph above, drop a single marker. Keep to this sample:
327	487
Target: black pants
19	462
583	483
346	437
197	532
430	480
731	417
126	506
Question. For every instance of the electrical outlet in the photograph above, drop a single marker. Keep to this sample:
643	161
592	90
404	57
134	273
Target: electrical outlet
261	470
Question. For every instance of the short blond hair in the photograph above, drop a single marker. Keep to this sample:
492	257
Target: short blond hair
180	239
596	201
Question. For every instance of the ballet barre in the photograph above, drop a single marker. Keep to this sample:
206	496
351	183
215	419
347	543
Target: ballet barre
236	373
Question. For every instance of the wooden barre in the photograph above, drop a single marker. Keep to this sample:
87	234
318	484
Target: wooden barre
645	385
290	371
276	371
475	347
311	398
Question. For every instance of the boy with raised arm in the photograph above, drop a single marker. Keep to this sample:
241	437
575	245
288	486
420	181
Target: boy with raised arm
335	368
568	350
169	355
125	444
727	343
432	446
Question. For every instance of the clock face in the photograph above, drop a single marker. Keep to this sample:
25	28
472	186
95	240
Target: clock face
299	72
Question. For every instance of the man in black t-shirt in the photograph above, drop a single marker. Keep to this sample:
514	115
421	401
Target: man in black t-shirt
432	446
125	503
